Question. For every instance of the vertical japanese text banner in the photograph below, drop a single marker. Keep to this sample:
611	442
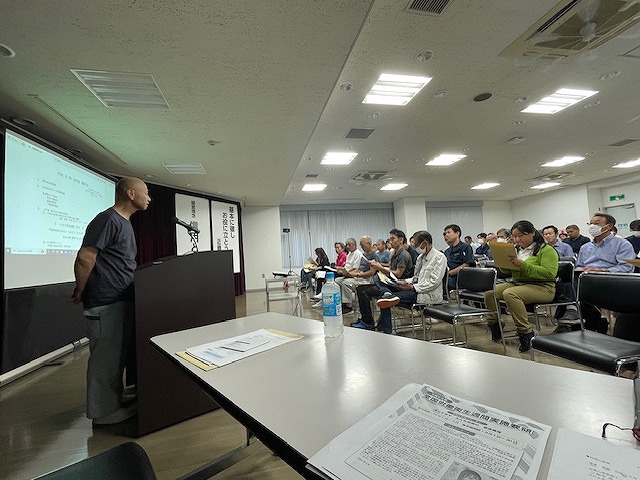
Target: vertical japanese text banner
195	212
226	235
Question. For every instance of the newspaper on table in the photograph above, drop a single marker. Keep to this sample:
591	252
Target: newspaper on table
229	350
422	433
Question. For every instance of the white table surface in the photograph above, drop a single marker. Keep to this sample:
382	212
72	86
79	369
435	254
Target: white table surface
309	391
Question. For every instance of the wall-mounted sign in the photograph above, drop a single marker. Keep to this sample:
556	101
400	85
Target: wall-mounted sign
615	198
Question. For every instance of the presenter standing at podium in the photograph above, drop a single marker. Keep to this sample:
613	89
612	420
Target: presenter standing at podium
104	271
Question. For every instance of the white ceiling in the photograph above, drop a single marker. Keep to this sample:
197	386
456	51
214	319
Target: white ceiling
262	78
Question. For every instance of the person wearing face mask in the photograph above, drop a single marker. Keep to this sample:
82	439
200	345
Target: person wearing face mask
504	236
533	281
483	248
606	253
426	284
634	238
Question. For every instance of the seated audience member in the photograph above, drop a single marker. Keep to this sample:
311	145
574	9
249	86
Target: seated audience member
533	281
362	275
483	248
550	234
411	248
606	253
382	253
634	239
469	241
574	239
351	263
341	260
400	266
504	235
563	235
459	254
322	260
424	287
491	237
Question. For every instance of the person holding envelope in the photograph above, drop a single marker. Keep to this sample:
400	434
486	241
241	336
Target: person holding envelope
533	275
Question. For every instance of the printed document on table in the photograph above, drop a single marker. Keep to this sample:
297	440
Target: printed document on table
422	433
224	352
581	457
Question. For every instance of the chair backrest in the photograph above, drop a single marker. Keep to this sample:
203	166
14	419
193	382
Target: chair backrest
613	291
476	279
565	272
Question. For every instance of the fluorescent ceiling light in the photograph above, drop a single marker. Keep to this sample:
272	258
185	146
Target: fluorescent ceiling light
561	162
631	164
542	186
446	159
314	187
485	186
563	98
338	158
394	186
391	89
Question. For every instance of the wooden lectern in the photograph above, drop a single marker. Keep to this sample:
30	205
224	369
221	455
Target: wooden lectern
175	294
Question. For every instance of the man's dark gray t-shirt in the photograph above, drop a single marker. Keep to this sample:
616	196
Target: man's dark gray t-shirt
111	279
402	258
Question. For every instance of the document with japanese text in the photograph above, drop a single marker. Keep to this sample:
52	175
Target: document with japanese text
422	433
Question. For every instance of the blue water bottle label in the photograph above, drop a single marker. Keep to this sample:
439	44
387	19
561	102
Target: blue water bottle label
331	304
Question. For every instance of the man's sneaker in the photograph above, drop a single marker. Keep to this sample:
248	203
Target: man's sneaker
317	304
570	315
388	300
317	297
563	328
346	310
364	326
525	341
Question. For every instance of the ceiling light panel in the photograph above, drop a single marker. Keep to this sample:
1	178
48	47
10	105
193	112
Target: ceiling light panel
394	186
391	89
446	159
542	186
563	98
338	158
485	186
314	187
631	164
561	162
113	89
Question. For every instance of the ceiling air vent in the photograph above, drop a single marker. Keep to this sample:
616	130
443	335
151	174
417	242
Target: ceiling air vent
552	177
369	176
311	175
622	143
427	7
113	89
185	168
359	133
574	26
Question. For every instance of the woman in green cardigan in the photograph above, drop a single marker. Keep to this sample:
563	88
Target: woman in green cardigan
532	281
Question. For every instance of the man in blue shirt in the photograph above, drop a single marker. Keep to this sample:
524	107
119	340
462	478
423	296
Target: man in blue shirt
459	254
483	248
605	254
550	234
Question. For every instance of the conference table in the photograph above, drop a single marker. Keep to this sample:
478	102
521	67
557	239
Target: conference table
297	397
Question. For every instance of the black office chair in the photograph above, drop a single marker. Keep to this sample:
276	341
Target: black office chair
613	291
564	276
128	461
472	280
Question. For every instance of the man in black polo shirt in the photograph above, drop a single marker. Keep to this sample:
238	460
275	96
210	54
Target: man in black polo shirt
575	240
459	254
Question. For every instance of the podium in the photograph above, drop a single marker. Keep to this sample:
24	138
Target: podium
173	294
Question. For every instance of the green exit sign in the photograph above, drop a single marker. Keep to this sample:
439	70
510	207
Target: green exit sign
613	198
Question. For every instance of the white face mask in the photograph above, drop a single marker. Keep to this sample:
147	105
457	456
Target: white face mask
635	234
421	250
501	240
595	230
481	240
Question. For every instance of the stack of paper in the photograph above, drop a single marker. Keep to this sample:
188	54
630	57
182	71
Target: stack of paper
422	433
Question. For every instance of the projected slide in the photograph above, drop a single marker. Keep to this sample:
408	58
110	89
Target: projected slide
49	201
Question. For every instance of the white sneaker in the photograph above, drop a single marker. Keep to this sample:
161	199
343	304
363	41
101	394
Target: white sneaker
317	304
317	297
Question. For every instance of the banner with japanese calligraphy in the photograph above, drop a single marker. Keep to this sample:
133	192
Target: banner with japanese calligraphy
195	212
226	234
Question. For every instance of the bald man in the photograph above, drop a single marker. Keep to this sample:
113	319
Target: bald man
104	270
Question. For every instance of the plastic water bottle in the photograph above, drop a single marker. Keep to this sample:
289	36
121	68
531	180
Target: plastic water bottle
332	307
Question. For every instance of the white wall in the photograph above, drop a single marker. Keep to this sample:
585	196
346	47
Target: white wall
410	215
496	215
630	191
261	242
560	208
